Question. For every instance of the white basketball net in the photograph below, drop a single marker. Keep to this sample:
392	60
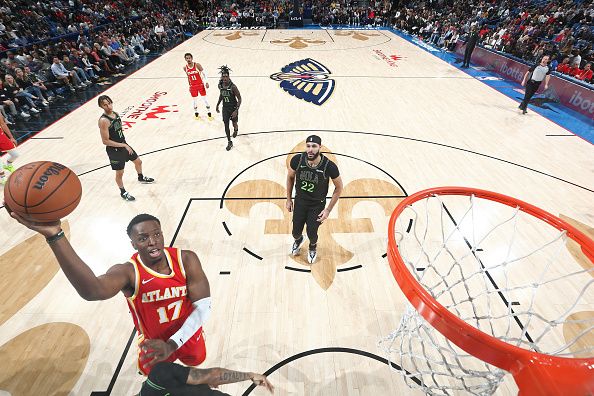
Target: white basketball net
503	271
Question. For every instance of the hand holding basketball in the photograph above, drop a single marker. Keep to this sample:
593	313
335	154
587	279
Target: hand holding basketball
45	229
43	192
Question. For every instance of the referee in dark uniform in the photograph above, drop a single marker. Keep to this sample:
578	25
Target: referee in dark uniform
310	172
118	151
471	41
532	80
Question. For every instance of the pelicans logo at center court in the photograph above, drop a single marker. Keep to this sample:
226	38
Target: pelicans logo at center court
306	79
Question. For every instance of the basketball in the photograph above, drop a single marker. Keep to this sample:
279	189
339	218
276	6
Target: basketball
42	191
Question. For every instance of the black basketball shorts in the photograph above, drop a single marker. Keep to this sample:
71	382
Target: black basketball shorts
118	156
227	115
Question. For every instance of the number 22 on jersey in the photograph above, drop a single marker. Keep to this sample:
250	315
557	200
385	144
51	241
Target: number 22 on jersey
307	186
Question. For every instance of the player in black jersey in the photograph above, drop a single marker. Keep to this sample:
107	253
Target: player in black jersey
310	172
231	101
177	380
118	151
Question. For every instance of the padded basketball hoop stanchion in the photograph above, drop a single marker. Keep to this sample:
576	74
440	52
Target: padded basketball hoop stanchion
535	373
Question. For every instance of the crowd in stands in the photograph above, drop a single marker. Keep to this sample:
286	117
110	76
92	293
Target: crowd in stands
354	13
526	29
246	13
51	50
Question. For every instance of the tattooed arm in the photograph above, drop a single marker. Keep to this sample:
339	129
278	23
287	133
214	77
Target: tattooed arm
219	376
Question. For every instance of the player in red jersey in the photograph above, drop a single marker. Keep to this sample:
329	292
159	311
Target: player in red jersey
167	290
7	144
197	80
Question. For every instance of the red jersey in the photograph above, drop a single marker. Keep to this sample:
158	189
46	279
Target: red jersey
5	143
584	74
160	303
194	77
563	68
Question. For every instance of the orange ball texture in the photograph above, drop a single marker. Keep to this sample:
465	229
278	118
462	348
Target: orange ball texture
42	191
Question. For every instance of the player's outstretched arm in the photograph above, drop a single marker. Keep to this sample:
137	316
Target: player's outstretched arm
175	376
220	376
80	275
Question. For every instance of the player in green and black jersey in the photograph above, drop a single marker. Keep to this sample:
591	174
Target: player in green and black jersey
118	151
231	99
176	380
310	172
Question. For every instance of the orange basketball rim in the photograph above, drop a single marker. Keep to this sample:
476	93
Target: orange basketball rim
534	373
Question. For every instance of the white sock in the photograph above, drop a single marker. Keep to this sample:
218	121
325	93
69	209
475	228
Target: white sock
205	102
195	104
13	154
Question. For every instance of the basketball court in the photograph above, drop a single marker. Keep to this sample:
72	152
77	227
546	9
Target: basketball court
394	118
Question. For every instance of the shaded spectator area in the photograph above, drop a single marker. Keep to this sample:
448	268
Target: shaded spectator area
57	55
523	30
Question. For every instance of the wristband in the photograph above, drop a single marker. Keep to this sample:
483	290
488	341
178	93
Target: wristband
54	238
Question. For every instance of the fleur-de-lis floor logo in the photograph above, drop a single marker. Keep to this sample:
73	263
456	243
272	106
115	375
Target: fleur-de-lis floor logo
306	79
357	35
331	253
298	42
236	35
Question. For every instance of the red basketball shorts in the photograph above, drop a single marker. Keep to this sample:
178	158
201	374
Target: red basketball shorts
192	353
5	143
197	89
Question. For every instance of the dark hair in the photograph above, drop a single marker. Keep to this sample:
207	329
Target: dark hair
141	218
187	53
224	70
101	98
